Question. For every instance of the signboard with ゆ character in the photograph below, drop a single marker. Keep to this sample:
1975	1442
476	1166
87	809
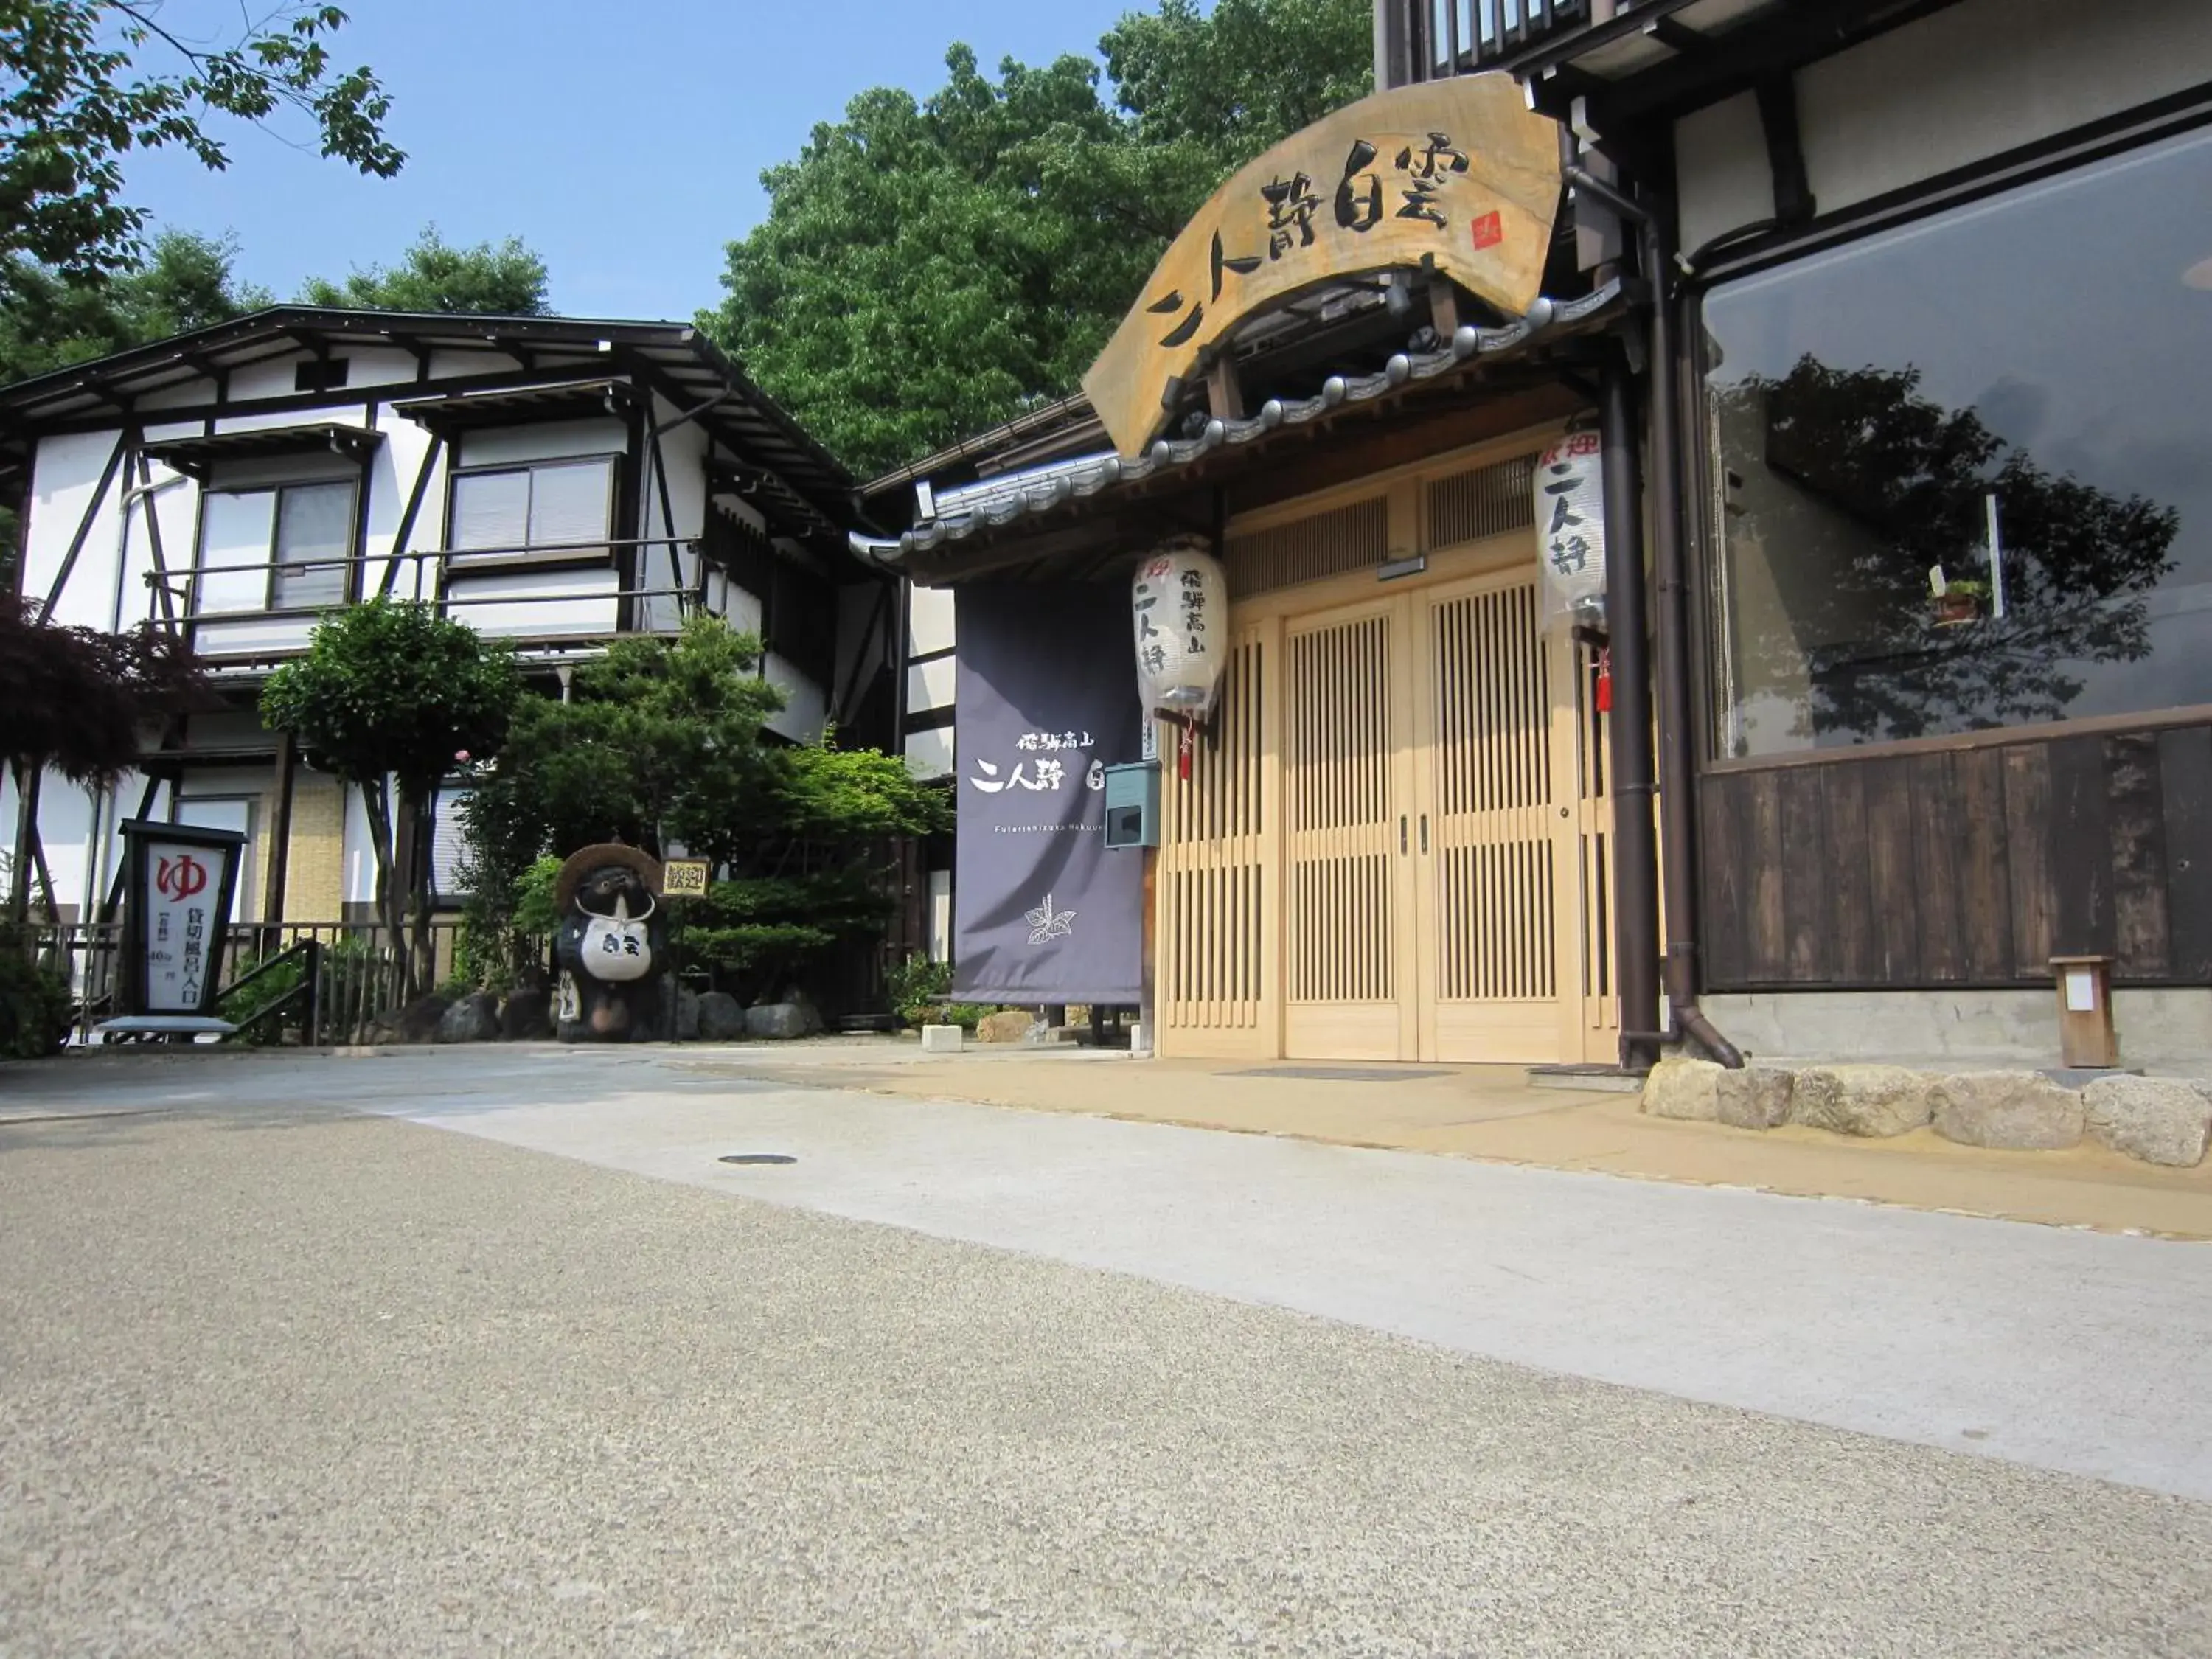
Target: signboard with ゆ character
179	883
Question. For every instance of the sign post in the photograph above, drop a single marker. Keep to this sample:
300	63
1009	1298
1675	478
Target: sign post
179	883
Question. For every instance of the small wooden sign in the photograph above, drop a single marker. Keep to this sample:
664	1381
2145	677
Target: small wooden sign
684	877
1455	176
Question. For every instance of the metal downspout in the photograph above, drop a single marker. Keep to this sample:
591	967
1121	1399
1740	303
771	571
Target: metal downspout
1671	666
1635	858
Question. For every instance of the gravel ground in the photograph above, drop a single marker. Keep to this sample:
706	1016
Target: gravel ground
280	1381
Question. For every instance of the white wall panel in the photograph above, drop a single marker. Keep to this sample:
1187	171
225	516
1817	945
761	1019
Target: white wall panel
929	754
188	393
1720	161
390	479
545	602
217	637
806	708
64	481
457	365
1985	77
929	620
684	453
929	685
548	441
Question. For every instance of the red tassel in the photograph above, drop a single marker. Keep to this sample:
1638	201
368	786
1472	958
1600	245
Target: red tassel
1183	755
1605	681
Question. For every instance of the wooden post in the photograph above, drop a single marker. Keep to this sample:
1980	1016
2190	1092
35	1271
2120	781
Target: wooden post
2086	1037
27	843
280	841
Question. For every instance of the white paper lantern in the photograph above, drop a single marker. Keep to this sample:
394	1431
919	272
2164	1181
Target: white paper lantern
1569	491
1179	610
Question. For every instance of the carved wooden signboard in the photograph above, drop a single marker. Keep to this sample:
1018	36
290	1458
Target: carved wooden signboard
1457	176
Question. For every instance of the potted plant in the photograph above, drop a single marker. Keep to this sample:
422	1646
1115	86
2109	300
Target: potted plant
1960	602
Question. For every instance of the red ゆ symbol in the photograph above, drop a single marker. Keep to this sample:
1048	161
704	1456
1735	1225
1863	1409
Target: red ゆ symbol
180	877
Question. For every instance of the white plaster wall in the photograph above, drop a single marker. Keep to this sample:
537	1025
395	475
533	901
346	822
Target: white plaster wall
929	620
64	479
930	754
1963	84
360	851
544	601
255	636
807	706
684	453
1985	77
549	441
929	684
184	394
464	364
390	479
1720	161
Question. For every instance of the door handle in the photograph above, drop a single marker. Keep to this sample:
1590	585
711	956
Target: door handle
1401	832
1425	834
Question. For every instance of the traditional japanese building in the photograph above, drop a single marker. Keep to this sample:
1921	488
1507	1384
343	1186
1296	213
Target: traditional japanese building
1396	838
555	483
1887	317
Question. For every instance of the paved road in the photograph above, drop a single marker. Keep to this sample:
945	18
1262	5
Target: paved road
283	1372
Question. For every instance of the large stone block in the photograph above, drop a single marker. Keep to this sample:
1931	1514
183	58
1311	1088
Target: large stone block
941	1039
1873	1102
1756	1097
418	1021
720	1018
2157	1119
1679	1087
2013	1111
527	1015
1007	1025
780	1020
687	1016
474	1018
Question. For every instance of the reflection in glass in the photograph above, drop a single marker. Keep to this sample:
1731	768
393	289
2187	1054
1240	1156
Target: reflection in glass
1877	413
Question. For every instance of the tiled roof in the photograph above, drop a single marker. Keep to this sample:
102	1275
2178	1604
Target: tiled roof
995	503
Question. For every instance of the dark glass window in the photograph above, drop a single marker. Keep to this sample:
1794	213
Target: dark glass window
2011	403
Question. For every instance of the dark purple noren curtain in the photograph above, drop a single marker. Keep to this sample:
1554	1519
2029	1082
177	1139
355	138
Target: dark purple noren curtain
1045	701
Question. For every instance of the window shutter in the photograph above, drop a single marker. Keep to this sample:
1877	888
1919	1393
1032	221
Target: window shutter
314	522
491	510
569	503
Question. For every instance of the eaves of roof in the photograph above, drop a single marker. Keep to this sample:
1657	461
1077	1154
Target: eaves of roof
982	511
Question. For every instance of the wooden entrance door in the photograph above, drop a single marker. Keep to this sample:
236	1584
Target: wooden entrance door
1495	832
1394	842
1350	964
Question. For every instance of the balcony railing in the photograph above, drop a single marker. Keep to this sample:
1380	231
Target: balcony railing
654	595
1443	37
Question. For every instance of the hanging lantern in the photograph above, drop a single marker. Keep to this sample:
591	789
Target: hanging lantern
1179	607
1570	528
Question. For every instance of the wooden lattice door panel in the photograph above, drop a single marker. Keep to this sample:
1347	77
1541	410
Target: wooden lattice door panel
1216	940
1346	879
1491	838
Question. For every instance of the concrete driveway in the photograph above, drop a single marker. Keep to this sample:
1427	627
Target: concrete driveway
312	1355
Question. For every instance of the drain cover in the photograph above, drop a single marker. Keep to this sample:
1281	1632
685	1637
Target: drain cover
756	1157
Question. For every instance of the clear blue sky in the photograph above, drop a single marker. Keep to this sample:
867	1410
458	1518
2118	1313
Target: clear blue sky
623	142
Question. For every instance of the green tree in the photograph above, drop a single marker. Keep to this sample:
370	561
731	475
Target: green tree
665	743
391	697
84	83
49	320
499	279
79	701
927	268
